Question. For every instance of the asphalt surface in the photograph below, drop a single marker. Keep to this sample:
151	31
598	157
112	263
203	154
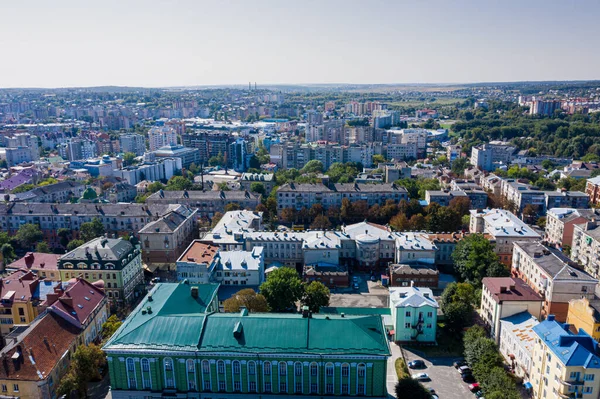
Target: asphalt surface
445	379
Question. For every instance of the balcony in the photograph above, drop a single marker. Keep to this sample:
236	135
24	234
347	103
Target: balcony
571	383
570	395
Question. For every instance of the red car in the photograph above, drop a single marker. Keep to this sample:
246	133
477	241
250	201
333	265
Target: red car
474	387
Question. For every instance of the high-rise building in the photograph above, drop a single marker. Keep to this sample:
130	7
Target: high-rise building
135	143
160	136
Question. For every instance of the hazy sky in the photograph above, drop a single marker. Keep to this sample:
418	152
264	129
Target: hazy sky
169	43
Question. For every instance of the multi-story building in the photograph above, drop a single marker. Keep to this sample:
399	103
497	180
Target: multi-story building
164	239
229	231
521	195
504	228
16	155
443	198
119	219
453	152
564	364
592	189
586	247
135	143
567	199
584	314
503	297
188	156
76	149
161	136
162	169
210	143
416	274
552	275
414	314
207	202
544	107
22	296
120	192
43	265
24	140
488	156
54	193
561	221
516	342
266	179
114	261
298	196
239	355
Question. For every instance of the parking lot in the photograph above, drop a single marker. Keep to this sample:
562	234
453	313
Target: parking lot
445	379
369	294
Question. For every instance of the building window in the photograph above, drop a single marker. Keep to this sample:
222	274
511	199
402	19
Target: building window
190	366
406	325
4	389
329	370
191	385
282	387
588	377
205	366
345	370
282	368
16	387
407	313
206	385
251	368
267	368
131	374
236	367
145	365
221	367
361	370
237	386
313	387
588	389
329	388
298	387
298	369
314	368
361	389
169	377
429	314
267	387
221	386
252	386
344	389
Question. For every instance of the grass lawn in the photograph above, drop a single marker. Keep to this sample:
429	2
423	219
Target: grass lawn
449	345
401	368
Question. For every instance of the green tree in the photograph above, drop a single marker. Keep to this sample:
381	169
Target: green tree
128	158
90	230
8	253
43	247
247	298
154	187
178	183
409	388
85	365
22	188
28	234
316	295
74	244
110	326
474	259
282	289
321	222
459	165
313	166
64	234
548	164
377	159
215	220
232	206
258	188
217	160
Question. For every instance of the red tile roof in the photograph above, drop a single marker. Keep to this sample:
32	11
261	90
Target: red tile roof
510	289
44	342
77	302
36	261
19	286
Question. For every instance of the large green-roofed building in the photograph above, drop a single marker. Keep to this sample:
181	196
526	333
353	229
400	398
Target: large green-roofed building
175	343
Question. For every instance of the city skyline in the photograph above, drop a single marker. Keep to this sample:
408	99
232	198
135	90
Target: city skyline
190	43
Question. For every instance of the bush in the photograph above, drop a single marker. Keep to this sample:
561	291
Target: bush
401	368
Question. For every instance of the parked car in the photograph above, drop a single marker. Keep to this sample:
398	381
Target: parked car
479	394
373	278
474	387
416	364
464	369
468	378
434	396
355	286
460	363
421	377
355	279
431	390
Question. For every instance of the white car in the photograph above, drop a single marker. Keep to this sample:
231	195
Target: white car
421	377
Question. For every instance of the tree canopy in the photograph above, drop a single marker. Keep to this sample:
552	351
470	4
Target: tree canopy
474	258
90	230
248	299
282	289
316	295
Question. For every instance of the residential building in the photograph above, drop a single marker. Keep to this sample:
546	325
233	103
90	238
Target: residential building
443	198
522	194
77	149
516	342
17	155
210	143
416	274
567	199
453	152
564	364
114	261
120	192
492	184
266	179
188	156
161	136
54	193
445	244
504	228
395	171
331	275
22	294
552	275
592	189
229	231
503	297
131	142
584	314
236	355
544	107
207	202
43	265
488	156
414	314
163	169
164	239
586	247
561	221
197	263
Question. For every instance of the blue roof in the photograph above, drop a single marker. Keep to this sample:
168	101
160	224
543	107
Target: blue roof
571	349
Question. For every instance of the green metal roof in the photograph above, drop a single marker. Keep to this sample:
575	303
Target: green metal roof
356	311
168	318
178	322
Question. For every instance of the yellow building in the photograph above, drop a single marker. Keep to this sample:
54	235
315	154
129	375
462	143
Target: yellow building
22	294
585	314
564	365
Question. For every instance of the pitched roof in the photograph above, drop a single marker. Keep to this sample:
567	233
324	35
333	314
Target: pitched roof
169	222
571	349
510	289
40	347
36	261
20	286
77	302
521	325
101	249
414	297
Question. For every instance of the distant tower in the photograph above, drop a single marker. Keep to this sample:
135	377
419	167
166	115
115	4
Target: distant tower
249	86
254	85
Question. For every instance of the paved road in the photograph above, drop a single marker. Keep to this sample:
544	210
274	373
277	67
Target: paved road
392	378
444	377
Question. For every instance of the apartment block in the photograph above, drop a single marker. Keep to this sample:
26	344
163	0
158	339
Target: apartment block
561	221
586	247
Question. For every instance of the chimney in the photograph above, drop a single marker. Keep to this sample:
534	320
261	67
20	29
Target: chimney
305	312
502	290
566	327
511	287
194	291
67	301
51	298
550	317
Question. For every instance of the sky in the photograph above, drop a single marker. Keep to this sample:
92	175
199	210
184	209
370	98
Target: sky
149	43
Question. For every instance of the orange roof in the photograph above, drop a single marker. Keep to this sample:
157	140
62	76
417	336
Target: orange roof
198	252
20	286
36	261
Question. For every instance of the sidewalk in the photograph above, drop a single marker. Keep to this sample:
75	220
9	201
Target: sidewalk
392	378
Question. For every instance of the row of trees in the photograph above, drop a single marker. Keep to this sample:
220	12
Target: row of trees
280	293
